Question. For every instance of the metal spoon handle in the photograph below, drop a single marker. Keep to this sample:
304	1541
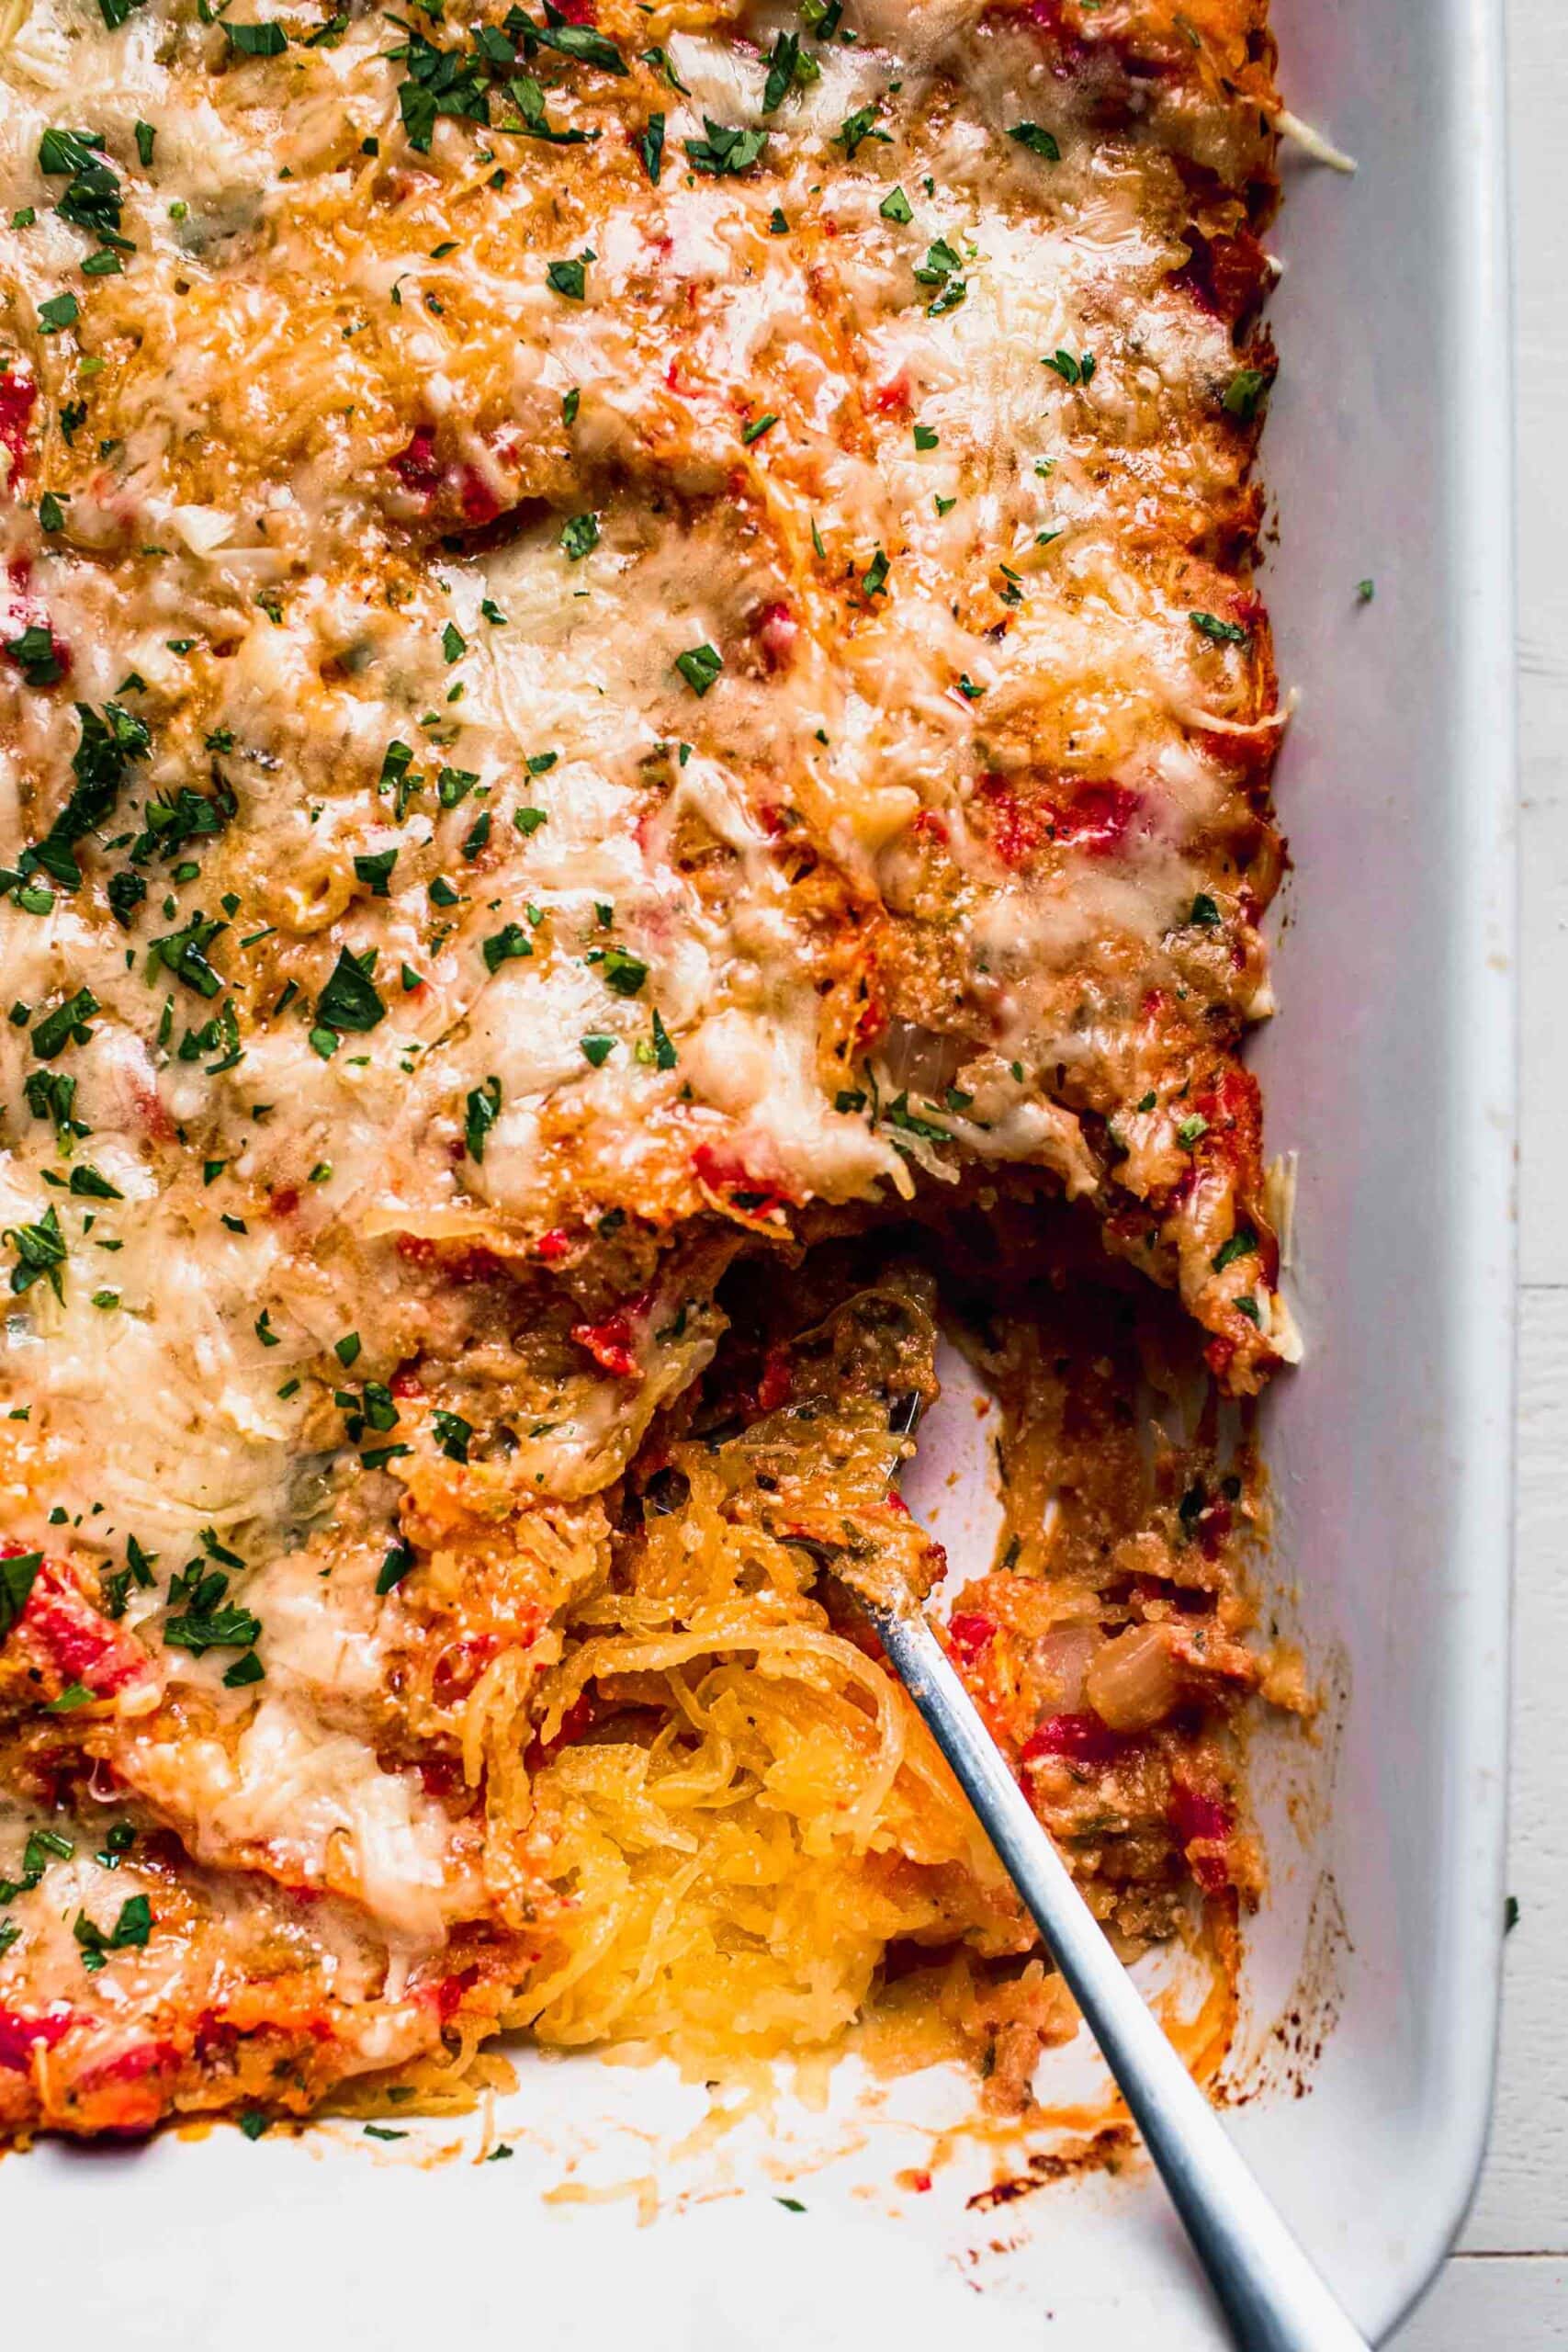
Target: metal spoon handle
1272	2297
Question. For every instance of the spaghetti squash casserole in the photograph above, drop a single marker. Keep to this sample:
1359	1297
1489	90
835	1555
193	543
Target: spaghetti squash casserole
634	768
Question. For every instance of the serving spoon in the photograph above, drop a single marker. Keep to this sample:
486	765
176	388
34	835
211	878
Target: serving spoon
1271	2295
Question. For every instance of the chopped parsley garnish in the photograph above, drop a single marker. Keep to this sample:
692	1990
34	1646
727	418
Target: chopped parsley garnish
787	65
650	147
258	40
454	644
396	763
349	1001
700	667
189	816
92	197
941	269
505	945
452	1434
725	152
658	58
229	1628
579	41
16	1578
481	1112
532	120
895	205
61	310
1071	371
130	1931
439	82
41	1253
87	1185
184	953
35	655
1205	911
664	1054
1038	141
899	1114
618	969
66	1024
107	749
596	1051
1190	1130
397	1565
52	1095
376	870
1241	1244
528	820
856	128
580	536
569	278
1219	632
754	432
1244	392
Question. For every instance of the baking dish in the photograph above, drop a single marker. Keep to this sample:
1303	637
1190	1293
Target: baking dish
1391	1072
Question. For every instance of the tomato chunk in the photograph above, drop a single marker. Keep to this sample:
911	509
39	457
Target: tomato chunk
1075	1740
81	1644
21	2035
18	397
969	1635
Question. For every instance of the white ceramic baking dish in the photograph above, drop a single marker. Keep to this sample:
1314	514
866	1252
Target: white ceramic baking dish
1390	1070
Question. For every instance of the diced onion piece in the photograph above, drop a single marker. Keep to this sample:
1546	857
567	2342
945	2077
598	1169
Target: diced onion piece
204	529
1132	1683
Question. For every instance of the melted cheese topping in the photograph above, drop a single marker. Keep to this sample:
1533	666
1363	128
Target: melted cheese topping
569	705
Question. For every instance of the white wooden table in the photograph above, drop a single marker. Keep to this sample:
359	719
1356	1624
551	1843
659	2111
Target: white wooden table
1508	2285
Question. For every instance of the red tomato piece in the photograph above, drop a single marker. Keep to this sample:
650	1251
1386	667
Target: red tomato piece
970	1635
1075	1740
18	397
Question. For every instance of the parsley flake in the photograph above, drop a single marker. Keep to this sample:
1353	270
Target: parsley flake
1038	141
580	536
569	278
1217	631
700	667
